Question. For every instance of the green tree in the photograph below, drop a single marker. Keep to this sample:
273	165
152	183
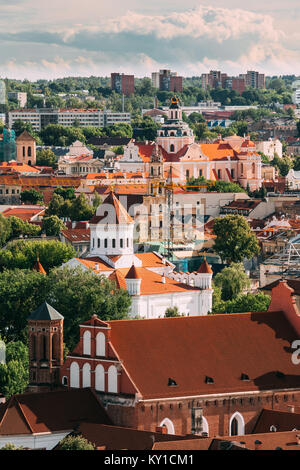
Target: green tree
52	225
5	230
66	193
45	157
24	253
249	303
80	209
14	375
11	446
55	206
31	196
22	227
232	281
75	443
78	294
234	239
172	312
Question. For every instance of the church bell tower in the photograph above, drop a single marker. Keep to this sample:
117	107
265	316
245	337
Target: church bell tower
45	330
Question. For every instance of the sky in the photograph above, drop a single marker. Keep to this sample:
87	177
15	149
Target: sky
46	40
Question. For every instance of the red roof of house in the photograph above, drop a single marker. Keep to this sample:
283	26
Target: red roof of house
223	347
120	438
282	420
77	235
50	412
25	214
119	279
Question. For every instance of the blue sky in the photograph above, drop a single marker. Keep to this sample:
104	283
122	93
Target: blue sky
41	39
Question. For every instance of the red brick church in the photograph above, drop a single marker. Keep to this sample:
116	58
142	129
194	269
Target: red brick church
207	375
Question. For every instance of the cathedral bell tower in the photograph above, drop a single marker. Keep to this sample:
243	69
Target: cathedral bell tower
156	173
45	330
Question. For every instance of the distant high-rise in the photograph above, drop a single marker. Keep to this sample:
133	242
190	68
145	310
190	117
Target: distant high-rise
255	79
123	84
165	80
2	92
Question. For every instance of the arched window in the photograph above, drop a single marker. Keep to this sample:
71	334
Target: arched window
87	343
99	243
236	425
29	151
74	375
24	151
100	344
205	427
172	134
253	168
86	375
44	347
33	342
105	243
114	243
167	423
172	148
112	380
54	351
121	243
64	381
100	378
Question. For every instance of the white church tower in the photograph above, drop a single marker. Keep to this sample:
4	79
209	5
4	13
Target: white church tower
112	232
203	281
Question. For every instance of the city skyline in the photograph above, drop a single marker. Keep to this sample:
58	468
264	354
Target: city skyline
45	41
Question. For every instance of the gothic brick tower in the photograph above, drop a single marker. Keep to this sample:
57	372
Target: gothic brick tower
156	173
45	330
26	149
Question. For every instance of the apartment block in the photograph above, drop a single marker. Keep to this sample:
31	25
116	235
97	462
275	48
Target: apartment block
166	80
40	118
123	84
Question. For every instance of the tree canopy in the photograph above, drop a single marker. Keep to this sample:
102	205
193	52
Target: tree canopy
74	293
234	239
232	281
75	443
24	253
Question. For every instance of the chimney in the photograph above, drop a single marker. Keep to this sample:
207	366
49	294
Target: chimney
258	445
163	279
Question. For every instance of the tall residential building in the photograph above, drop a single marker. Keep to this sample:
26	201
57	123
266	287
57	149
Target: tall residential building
255	79
165	80
296	96
2	92
123	84
18	96
216	78
41	117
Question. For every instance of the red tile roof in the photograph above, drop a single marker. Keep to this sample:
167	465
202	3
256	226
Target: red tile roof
219	346
282	420
50	412
25	214
118	438
77	235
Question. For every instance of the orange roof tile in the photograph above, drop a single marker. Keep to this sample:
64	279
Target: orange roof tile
190	348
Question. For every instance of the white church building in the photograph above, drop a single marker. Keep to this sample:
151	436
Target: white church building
148	277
